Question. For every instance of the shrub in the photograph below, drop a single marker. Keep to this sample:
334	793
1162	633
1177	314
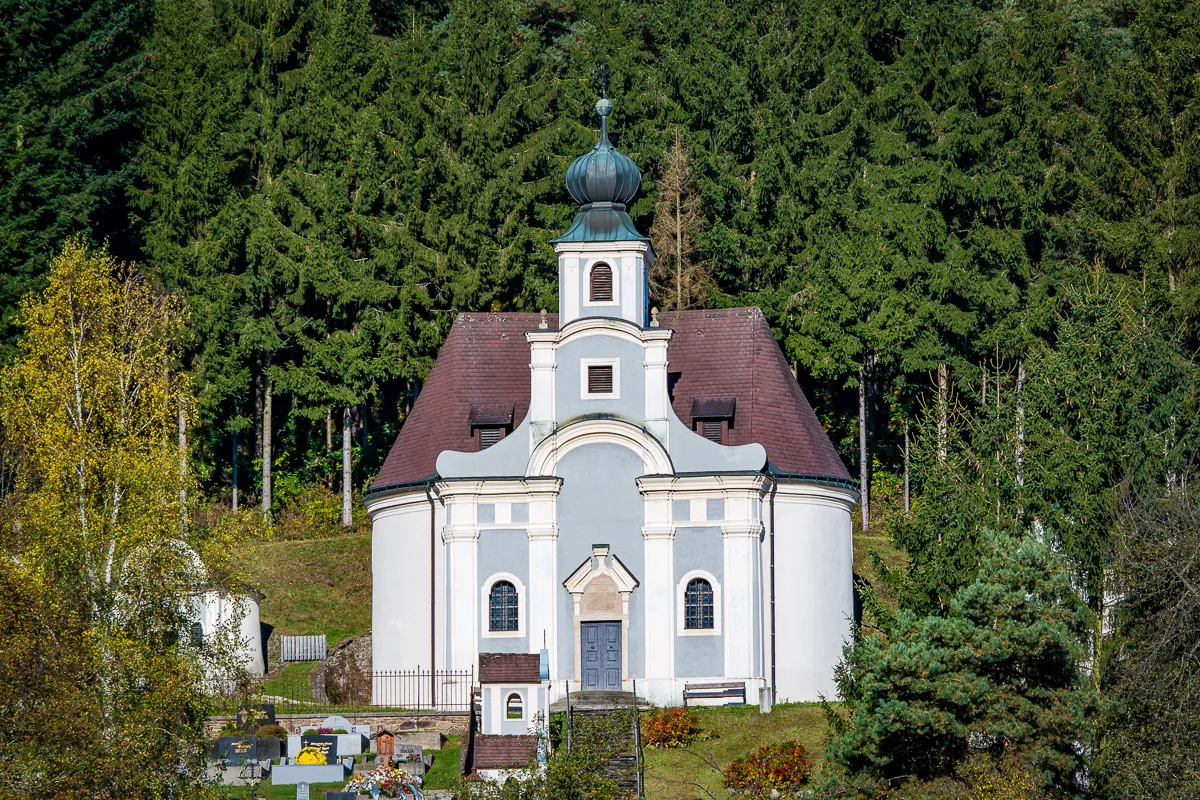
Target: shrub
324	731
229	729
670	727
774	768
269	731
339	730
310	732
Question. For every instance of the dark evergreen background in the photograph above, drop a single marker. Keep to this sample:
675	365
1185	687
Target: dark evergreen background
898	184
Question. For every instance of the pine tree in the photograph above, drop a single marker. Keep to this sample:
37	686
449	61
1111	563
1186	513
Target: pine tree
69	73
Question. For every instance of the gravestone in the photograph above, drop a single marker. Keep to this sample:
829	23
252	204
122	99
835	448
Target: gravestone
327	744
252	718
237	750
332	795
302	791
407	752
336	723
269	748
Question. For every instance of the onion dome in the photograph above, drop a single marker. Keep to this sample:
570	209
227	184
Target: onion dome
604	175
604	182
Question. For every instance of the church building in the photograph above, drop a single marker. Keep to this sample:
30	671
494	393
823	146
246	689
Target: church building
647	497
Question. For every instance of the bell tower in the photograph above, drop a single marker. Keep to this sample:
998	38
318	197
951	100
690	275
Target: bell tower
603	262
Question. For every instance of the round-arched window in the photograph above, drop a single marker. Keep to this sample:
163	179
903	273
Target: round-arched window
698	605
601	283
502	607
514	707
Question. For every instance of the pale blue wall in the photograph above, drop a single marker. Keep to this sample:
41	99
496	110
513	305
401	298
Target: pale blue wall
699	548
600	504
632	403
504	550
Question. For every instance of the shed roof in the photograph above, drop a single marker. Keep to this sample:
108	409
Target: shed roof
510	668
504	752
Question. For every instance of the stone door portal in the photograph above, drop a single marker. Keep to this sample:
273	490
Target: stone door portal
601	650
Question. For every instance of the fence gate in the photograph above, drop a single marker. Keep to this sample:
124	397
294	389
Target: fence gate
302	648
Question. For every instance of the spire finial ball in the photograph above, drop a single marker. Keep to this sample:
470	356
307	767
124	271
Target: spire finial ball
604	106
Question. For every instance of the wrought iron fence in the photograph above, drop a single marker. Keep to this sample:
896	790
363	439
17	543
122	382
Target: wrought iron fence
350	692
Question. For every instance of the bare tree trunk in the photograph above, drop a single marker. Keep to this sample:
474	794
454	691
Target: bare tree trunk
1020	454
347	487
864	487
266	437
182	421
943	410
258	412
329	430
234	458
907	505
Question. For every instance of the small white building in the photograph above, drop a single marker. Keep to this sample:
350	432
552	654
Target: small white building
226	613
514	707
649	497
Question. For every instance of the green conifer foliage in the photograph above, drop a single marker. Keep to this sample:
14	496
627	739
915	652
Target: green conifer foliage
997	673
69	73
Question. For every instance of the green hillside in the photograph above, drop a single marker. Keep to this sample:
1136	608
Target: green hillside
315	585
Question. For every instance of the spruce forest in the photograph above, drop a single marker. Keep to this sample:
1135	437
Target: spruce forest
973	226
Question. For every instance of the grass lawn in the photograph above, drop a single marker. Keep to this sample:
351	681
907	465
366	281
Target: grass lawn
315	585
316	791
444	771
673	774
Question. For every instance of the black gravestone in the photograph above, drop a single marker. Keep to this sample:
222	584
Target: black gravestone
254	717
331	795
237	750
270	748
326	744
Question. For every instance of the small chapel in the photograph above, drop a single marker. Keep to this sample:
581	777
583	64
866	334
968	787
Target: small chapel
646	500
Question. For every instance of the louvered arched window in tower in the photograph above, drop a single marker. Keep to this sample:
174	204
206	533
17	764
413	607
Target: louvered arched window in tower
601	283
698	605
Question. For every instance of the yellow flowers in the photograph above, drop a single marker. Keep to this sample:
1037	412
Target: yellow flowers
310	755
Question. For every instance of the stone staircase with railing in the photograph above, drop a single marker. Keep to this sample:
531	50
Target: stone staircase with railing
591	719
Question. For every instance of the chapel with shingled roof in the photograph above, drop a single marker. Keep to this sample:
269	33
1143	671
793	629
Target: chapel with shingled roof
644	500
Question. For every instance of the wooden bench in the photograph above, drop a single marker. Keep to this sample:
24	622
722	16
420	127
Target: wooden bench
733	693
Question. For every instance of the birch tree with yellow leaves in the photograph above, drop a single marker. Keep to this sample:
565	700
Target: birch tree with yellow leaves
90	410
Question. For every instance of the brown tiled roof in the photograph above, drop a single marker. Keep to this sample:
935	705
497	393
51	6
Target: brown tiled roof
501	752
715	353
510	668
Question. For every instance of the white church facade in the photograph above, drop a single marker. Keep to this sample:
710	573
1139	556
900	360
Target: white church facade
648	498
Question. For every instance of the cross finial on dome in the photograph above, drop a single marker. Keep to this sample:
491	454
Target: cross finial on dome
603	105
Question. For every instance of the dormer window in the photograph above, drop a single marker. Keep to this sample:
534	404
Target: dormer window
489	436
712	417
490	422
601	283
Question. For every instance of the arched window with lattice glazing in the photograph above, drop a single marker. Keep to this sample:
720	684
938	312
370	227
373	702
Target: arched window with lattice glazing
502	607
698	605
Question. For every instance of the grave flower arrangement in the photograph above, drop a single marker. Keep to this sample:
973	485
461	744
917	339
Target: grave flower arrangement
385	781
310	755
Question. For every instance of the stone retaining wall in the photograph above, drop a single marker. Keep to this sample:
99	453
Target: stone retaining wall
447	723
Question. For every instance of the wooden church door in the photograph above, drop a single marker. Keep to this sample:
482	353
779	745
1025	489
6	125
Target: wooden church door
601	656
